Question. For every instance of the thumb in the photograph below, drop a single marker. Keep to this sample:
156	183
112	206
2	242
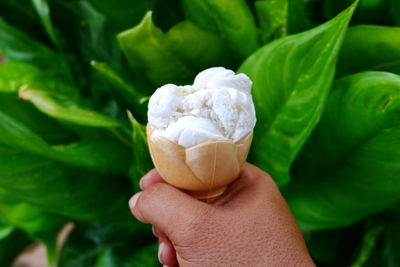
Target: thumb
167	208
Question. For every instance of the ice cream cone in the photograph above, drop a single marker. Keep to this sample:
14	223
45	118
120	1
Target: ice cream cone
203	170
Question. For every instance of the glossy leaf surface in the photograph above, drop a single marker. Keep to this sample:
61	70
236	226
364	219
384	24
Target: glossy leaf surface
379	50
175	56
232	19
349	168
291	79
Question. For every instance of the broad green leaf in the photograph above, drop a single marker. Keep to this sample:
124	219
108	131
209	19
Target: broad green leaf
367	245
55	97
324	246
104	156
21	14
144	257
67	180
349	168
17	74
5	228
15	45
123	13
87	35
62	189
48	128
13	75
105	244
40	225
108	259
379	49
231	19
272	16
73	112
198	12
298	16
291	80
87	32
65	109
175	56
383	12
11	246
141	161
390	249
42	8
128	95
386	249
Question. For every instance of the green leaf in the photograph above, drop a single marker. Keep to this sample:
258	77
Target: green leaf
298	18
11	246
21	14
5	228
231	19
16	74
67	180
141	161
272	16
106	245
64	109
386	249
42	8
108	259
383	12
323	246
123	13
292	78
349	169
73	112
390	255
128	95
175	56
15	45
104	156
40	225
64	190
378	50
55	97
144	257
367	245
49	129
13	75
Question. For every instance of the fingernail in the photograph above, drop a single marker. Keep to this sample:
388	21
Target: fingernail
154	231
133	200
142	180
161	247
141	183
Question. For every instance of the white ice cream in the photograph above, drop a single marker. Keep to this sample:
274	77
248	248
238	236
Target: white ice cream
218	106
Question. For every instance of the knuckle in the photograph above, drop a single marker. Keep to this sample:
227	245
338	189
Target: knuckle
147	197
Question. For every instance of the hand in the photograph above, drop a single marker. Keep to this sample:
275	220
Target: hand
249	225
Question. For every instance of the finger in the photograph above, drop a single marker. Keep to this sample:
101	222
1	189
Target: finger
166	253
252	183
168	208
150	178
157	232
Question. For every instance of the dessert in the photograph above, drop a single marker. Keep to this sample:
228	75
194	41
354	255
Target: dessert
199	135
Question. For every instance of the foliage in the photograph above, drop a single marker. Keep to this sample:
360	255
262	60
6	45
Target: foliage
75	78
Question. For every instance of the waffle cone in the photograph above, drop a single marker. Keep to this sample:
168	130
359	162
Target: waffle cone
204	170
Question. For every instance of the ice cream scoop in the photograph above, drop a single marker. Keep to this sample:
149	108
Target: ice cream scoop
199	135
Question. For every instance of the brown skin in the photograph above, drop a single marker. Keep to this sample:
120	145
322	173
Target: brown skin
250	225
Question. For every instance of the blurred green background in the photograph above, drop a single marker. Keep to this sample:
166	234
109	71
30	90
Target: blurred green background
76	75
